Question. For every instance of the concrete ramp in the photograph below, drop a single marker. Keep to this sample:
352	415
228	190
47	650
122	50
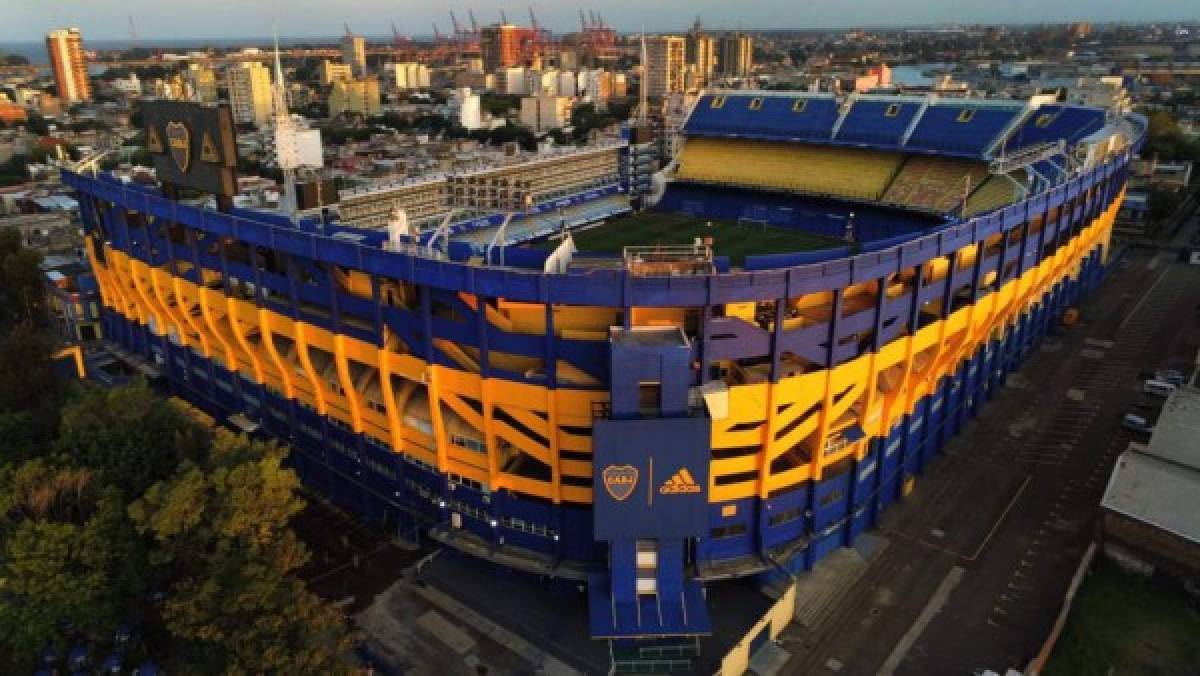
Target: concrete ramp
819	590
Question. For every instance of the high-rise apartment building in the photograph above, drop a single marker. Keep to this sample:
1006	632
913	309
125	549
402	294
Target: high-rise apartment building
665	65
354	53
500	46
359	97
332	71
249	85
409	75
203	83
65	48
735	55
701	53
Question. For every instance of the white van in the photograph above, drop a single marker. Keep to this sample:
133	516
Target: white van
1158	388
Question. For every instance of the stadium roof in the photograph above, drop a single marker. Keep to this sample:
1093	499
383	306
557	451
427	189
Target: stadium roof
1160	484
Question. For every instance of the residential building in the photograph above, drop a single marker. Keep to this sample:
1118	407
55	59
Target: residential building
500	46
359	97
203	83
249	85
409	75
665	65
464	108
545	112
701	53
735	55
354	54
65	48
512	81
332	71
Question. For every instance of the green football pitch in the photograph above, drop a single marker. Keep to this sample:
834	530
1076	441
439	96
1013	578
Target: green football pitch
730	238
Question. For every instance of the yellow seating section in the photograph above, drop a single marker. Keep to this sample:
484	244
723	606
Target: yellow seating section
816	170
996	192
935	183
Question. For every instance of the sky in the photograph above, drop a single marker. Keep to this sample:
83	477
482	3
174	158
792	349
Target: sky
29	20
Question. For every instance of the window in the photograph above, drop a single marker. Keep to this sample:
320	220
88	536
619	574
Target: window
755	104
718	101
799	105
966	115
892	110
729	531
1044	120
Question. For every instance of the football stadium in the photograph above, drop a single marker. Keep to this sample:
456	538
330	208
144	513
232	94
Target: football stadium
815	293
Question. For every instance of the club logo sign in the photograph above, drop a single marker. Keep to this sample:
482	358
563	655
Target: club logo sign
179	141
620	480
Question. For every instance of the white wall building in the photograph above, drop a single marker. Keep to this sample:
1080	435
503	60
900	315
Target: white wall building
409	75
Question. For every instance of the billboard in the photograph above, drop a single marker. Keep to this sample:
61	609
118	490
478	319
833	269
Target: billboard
192	145
297	148
650	478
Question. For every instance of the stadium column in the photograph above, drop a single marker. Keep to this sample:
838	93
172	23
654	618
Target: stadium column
777	336
197	320
170	290
206	310
487	397
340	358
823	423
267	330
433	370
551	358
874	428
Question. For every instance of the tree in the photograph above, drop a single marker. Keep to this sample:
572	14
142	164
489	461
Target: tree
23	289
36	124
71	562
220	529
129	436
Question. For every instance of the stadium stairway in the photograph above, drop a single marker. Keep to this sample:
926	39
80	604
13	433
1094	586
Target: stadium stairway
934	183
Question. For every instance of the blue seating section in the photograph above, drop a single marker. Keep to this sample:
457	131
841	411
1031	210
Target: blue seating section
942	129
776	118
1054	122
869	123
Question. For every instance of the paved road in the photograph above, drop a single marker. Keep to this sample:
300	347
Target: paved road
999	522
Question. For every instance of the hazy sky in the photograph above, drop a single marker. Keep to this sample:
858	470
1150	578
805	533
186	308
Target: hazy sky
22	20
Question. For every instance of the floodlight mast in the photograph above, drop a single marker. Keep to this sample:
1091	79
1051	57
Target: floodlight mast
284	130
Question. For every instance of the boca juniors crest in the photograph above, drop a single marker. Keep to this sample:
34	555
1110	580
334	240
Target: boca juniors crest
620	480
179	141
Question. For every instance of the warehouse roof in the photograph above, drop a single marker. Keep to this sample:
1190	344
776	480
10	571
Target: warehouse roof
1159	484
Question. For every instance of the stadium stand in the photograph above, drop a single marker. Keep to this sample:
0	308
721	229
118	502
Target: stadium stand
934	183
814	214
812	170
995	192
876	122
959	129
809	118
1053	122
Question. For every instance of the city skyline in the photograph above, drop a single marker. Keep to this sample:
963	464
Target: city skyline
156	20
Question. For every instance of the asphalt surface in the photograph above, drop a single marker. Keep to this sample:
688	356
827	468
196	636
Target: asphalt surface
981	554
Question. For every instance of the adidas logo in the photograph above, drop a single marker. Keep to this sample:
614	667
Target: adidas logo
679	483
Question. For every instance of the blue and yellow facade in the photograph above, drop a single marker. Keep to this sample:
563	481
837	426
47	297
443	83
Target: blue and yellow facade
465	399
